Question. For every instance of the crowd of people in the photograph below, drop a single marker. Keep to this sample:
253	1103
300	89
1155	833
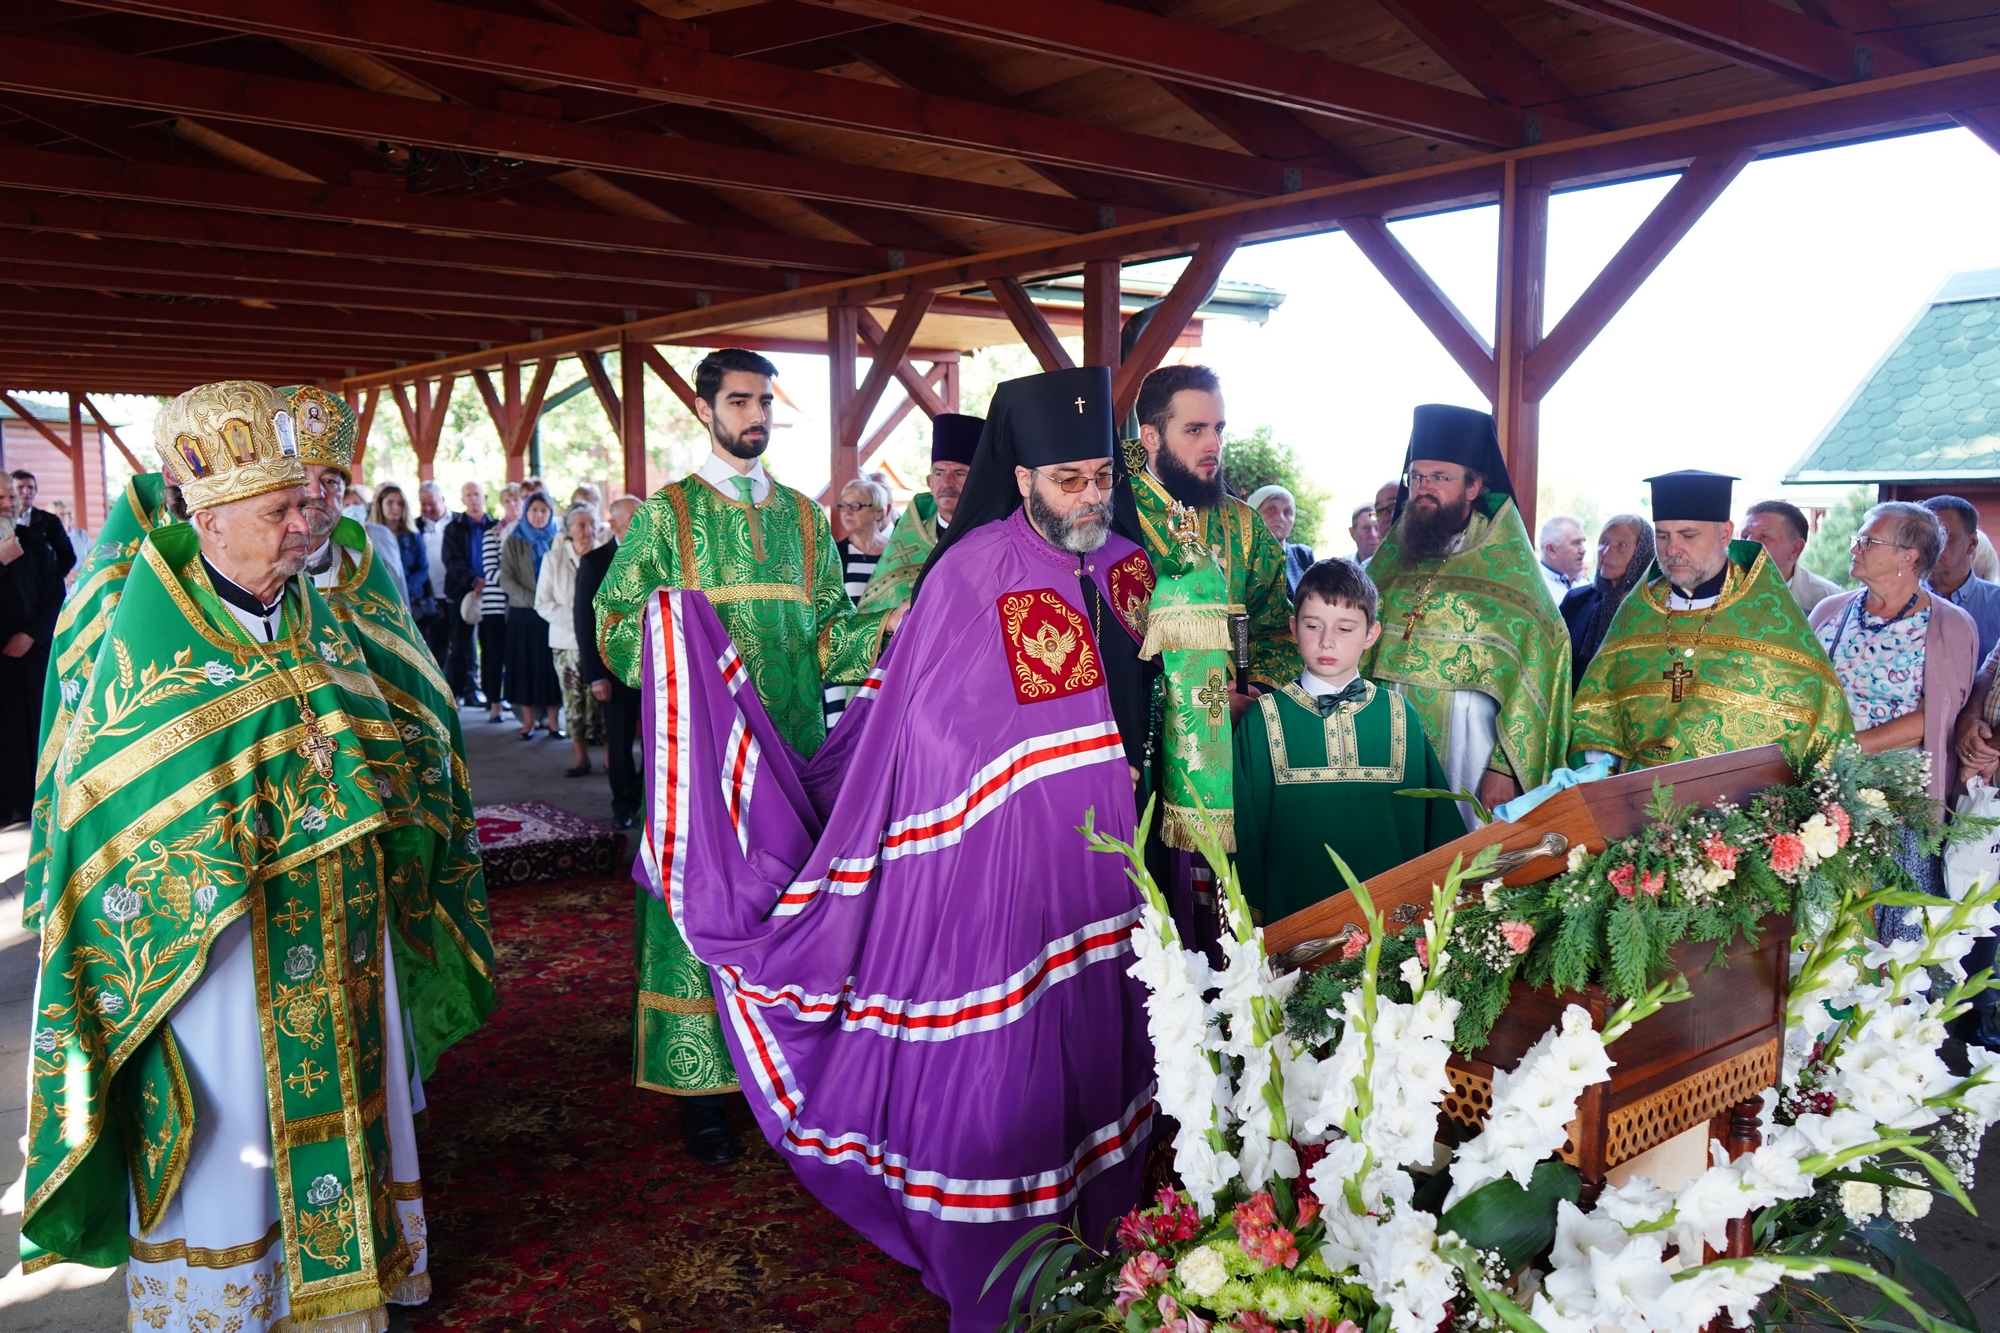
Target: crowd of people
880	967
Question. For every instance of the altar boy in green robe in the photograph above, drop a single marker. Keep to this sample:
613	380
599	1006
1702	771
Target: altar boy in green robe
1319	762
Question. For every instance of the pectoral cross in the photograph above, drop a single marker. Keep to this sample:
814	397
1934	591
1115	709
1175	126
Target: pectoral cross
1677	675
1214	698
317	746
1416	613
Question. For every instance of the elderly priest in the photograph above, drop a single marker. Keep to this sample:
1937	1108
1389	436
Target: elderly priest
1710	652
1470	634
220	1084
954	440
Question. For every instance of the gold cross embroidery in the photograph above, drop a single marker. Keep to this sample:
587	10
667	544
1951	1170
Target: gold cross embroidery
305	1080
294	915
1214	698
1677	674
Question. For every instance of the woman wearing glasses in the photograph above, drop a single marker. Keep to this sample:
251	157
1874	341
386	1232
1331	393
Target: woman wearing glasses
1905	660
867	521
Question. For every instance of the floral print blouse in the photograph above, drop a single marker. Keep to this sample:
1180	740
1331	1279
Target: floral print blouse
1880	663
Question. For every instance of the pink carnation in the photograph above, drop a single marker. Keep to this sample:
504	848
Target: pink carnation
1357	944
1651	884
1621	879
1423	951
1518	934
1720	852
1140	1272
1843	823
1787	853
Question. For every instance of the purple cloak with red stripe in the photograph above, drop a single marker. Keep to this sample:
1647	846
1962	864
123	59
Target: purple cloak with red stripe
925	994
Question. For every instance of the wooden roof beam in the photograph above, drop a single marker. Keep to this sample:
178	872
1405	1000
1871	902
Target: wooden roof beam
73	173
1108	34
101	77
1761	35
455	35
1488	56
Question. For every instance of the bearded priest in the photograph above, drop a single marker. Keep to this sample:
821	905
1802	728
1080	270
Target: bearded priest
954	438
219	1085
925	988
764	554
1470	635
1710	652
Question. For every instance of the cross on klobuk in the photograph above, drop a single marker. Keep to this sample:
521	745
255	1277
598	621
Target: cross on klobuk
1079	406
1677	675
1213	697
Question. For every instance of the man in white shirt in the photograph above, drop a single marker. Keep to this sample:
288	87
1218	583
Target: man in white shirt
1563	545
431	517
1781	529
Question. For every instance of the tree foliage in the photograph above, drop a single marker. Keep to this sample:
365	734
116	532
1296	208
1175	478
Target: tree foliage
1827	553
1258	459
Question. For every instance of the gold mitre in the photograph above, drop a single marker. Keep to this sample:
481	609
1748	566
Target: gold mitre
228	441
326	427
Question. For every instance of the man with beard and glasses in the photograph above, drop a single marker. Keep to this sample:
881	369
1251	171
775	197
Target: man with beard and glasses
1178	461
929	969
954	439
765	556
1470	634
1710	652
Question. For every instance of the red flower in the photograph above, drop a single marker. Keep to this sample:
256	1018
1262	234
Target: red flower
1787	853
1518	934
1140	1272
1319	1323
1423	951
1720	852
1135	1231
1651	885
1178	1219
1843	823
1260	1237
1357	944
1249	1321
1621	879
1308	1210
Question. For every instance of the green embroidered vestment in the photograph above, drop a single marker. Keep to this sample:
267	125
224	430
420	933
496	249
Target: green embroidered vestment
1479	619
1253	567
86	612
1756	674
444	951
773	575
1305	783
187	796
903	557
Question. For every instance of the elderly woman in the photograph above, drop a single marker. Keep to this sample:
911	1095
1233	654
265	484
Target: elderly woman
1905	660
1624	550
1281	512
865	517
555	602
391	509
532	685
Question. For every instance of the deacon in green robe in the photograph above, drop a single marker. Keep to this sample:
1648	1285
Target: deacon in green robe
1177	461
954	440
219	1090
1470	634
1319	763
1709	653
764	555
141	507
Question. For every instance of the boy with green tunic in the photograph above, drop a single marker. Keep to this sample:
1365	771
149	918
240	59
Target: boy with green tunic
1319	762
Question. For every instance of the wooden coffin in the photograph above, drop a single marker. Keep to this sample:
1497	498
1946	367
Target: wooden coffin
1673	1071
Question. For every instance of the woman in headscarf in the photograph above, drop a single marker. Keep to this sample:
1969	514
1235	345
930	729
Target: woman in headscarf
1624	550
532	683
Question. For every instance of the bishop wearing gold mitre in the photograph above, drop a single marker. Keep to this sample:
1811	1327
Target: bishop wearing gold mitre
219	1085
1710	652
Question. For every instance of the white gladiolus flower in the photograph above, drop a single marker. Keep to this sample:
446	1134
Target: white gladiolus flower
1201	1272
1710	1201
1860	1200
1635	1203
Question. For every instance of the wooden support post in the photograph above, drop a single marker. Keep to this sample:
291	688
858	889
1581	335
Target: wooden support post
1524	241
107	428
950	393
1101	290
632	431
843	332
1030	323
364	422
406	411
880	435
1446	322
913	381
80	511
1195	284
431	412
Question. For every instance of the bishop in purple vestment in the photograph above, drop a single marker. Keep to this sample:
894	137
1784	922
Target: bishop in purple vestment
921	977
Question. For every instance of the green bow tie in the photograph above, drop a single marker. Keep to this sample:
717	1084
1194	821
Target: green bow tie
1356	690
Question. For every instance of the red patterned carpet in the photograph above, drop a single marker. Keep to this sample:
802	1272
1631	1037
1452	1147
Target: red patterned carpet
559	1196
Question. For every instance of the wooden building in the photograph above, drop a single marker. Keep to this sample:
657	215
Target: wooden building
395	197
38	439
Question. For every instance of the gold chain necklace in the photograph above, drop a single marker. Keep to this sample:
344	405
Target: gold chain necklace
1677	673
1416	611
318	748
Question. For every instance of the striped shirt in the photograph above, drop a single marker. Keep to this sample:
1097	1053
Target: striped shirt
855	569
493	598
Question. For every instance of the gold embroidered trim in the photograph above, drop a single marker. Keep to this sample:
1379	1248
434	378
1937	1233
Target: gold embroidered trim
333	1124
685	1092
1186	629
409	1191
1730	643
88	635
1749	703
674	1004
757	592
413	1290
235	1256
1188	822
374	1319
80	598
1343	749
197	619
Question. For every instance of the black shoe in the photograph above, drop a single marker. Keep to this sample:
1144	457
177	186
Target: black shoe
705	1131
473	700
557	732
622	821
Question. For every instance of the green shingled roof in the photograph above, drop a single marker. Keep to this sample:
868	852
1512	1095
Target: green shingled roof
1931	408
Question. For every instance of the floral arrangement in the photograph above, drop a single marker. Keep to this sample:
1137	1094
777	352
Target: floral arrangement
1314	1197
1709	875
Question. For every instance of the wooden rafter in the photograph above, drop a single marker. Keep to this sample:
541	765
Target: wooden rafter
1487	55
1446	322
107	429
889	354
1195	284
873	336
1030	323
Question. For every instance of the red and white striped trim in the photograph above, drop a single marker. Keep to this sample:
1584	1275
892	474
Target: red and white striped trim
869	687
664	849
1028	762
734	673
739	776
979	1011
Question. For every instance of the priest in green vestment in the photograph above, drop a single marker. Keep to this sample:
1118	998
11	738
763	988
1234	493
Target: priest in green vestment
1178	461
1470	634
1319	763
1710	652
764	555
219	1088
954	440
145	503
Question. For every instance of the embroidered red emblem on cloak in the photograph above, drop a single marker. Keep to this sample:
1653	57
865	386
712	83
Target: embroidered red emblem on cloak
1049	651
1132	582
